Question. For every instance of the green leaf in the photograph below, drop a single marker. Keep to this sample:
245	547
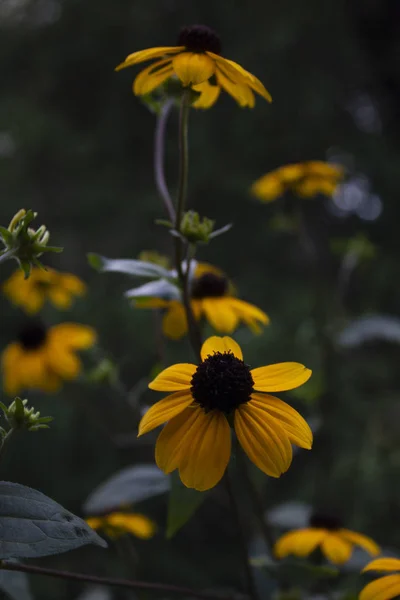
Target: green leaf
15	585
129	486
161	288
183	503
140	268
33	525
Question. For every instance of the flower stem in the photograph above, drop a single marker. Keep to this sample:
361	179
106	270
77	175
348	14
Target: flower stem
7	255
162	588
183	275
250	584
5	441
159	150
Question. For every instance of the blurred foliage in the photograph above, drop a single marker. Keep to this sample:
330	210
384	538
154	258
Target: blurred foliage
76	146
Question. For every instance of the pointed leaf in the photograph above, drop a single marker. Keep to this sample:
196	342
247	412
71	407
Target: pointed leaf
140	268
182	504
33	525
161	288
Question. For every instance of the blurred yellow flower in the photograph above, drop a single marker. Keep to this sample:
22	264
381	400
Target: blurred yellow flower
306	179
42	358
197	437
213	298
326	533
118	523
30	294
387	587
197	62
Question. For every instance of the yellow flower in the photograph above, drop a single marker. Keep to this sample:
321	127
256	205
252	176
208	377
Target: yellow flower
213	298
387	587
197	437
41	358
326	533
197	62
118	523
306	179
30	294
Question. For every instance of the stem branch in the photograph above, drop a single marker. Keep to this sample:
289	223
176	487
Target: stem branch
159	150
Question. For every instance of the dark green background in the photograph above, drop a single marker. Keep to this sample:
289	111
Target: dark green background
77	146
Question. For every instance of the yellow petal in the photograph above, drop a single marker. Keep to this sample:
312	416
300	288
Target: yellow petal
239	75
208	95
263	439
151	77
33	369
11	362
219	314
246	311
72	335
291	421
95	522
174	438
291	173
148	54
268	188
174	378
300	542
193	68
207	455
280	377
151	303
383	564
361	540
164	410
73	284
139	525
220	344
174	321
336	549
240	92
62	361
311	186
385	588
324	169
61	298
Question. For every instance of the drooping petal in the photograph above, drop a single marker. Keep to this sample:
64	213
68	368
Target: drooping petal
193	68
73	284
384	588
336	549
300	542
361	540
164	410
72	335
174	378
139	525
208	95
151	77
239	75
297	429
174	438
268	188
148	54
324	169
174	321
220	314
248	312
63	361
60	297
207	455
263	439
280	377
220	344
383	564
33	369
241	93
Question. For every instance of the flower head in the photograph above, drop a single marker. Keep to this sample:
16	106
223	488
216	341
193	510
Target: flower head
325	532
306	179
197	62
197	437
212	297
118	523
30	294
42	358
387	587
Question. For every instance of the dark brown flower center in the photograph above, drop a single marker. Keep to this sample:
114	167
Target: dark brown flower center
321	521
222	381
199	38
209	285
32	336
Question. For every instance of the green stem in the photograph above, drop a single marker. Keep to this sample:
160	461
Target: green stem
250	584
159	150
183	275
162	588
7	255
5	441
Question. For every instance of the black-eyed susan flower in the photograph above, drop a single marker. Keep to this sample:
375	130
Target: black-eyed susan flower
327	534
42	358
212	298
119	523
197	62
384	588
306	179
31	294
197	437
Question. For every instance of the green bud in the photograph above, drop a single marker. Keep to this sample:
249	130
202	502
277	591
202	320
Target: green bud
194	229
20	416
23	243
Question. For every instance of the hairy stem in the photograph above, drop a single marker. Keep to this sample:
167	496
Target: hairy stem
159	151
161	588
